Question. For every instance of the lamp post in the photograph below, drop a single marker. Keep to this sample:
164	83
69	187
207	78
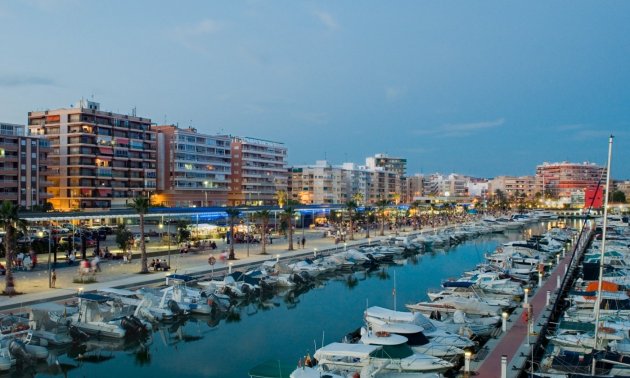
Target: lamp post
49	252
205	184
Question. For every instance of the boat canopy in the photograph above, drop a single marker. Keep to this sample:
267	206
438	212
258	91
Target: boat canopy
347	350
391	315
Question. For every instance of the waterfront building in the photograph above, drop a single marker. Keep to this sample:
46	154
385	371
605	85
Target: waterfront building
317	184
560	180
388	163
477	187
514	186
414	187
258	171
451	185
23	167
193	168
623	186
99	160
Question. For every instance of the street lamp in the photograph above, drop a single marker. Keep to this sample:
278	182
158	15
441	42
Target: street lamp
205	184
41	234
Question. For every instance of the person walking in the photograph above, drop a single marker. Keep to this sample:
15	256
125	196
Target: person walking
53	279
303	242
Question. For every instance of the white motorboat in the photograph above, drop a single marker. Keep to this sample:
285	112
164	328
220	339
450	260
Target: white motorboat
186	298
94	317
452	304
376	316
396	356
416	339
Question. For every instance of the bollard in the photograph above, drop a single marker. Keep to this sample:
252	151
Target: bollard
345	246
548	297
467	356
558	282
558	259
540	275
315	252
566	267
504	366
504	317
230	268
526	290
277	258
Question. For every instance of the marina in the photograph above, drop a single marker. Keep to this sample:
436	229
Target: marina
313	314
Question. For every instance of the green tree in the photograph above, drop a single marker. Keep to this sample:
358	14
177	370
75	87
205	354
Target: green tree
11	222
618	196
381	206
287	216
183	231
369	218
263	216
351	208
233	214
141	205
124	237
358	198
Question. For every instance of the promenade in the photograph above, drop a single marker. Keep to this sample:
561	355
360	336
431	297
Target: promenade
116	273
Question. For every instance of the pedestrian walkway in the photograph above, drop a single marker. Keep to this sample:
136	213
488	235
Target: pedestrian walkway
117	273
516	343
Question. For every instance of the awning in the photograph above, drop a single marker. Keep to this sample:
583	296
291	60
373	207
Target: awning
106	150
122	140
104	192
86	192
105	158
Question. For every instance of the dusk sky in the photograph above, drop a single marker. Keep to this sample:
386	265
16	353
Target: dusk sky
481	88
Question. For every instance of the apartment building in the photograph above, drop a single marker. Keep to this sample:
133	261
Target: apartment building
193	168
317	184
390	164
258	171
514	186
23	167
560	180
99	160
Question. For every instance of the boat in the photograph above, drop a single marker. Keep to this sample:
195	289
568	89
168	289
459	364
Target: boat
396	356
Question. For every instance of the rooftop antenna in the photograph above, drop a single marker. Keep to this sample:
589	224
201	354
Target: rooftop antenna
133	111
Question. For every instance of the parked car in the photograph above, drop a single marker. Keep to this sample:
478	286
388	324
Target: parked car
136	238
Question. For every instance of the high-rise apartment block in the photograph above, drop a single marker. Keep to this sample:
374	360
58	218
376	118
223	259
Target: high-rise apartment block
98	159
560	180
388	163
193	168
23	167
258	171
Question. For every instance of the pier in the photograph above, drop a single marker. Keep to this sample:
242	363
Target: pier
512	351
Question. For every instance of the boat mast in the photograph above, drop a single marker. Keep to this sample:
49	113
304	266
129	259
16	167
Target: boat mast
603	249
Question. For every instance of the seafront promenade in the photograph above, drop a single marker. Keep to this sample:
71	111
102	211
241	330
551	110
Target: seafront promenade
117	273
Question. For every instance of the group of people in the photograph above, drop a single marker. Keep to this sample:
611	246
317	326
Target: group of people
24	261
157	264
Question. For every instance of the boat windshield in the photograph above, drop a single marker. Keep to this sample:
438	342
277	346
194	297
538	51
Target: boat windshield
394	351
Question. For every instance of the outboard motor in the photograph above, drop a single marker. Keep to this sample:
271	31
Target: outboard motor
18	350
174	307
133	325
77	334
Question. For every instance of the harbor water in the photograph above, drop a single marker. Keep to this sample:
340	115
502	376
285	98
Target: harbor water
283	327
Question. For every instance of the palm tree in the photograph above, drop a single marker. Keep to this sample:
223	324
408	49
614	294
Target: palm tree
368	215
287	216
123	237
232	213
351	208
382	206
141	205
263	216
10	221
282	197
358	198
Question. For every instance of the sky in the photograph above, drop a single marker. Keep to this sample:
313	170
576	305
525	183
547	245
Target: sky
481	88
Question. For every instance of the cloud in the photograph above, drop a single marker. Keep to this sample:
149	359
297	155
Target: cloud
24	80
461	129
394	93
191	36
327	19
